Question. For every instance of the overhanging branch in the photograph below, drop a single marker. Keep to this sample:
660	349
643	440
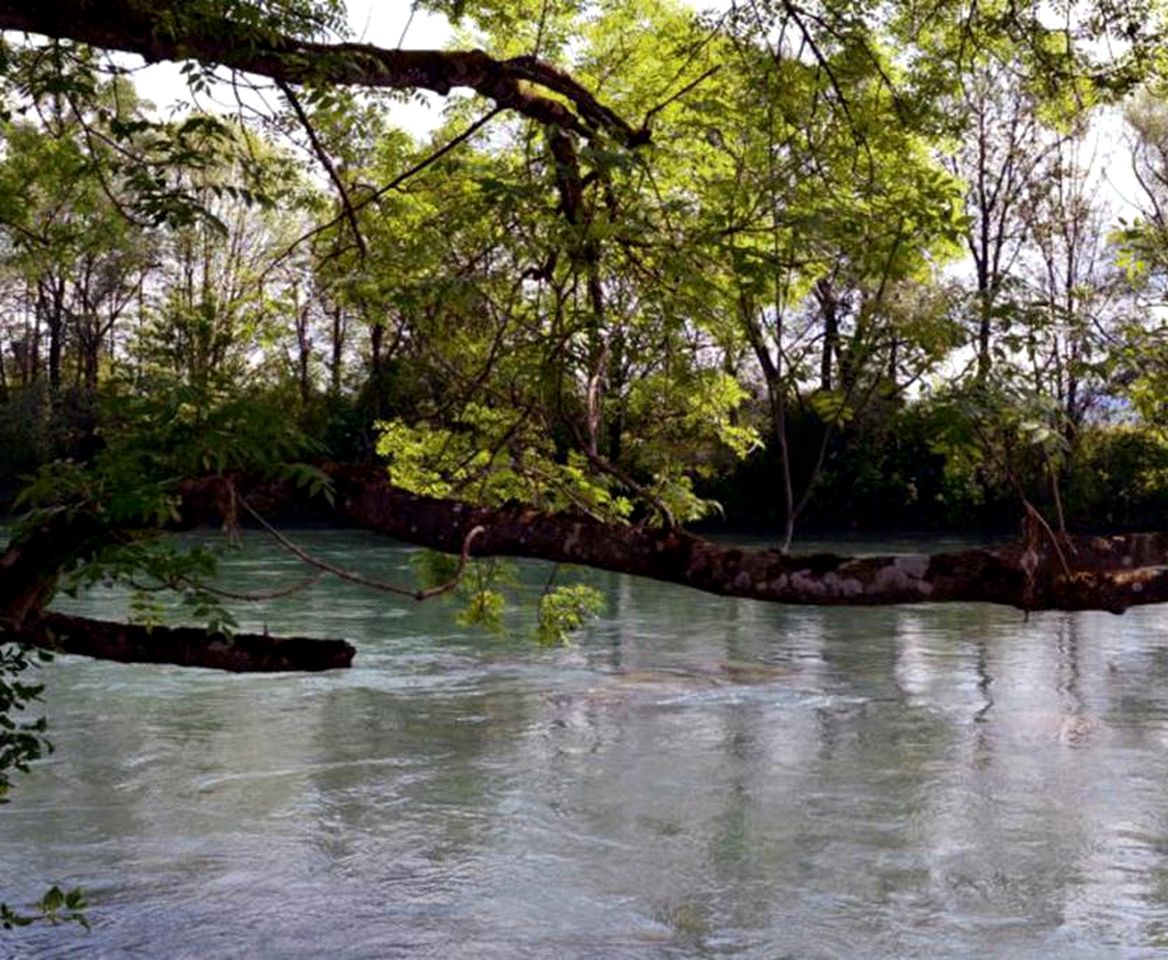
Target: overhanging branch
184	31
183	646
1100	573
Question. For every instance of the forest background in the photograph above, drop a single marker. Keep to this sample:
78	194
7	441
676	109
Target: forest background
866	273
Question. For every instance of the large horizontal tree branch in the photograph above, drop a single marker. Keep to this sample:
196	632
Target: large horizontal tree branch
1104	573
43	549
1083	573
176	31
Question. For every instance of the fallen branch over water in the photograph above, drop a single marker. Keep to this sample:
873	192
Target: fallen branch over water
183	646
1079	573
1038	573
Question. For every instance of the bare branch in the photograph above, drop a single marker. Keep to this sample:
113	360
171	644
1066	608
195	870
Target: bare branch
358	578
393	184
326	162
653	111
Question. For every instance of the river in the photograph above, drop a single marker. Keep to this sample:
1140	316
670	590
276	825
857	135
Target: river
693	777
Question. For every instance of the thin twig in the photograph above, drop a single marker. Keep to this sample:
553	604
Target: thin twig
653	111
326	162
604	465
1051	535
409	23
260	595
392	184
174	584
354	577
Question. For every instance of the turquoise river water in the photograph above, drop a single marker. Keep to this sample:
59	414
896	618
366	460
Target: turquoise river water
693	777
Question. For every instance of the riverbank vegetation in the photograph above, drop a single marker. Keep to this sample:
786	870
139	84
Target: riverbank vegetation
827	270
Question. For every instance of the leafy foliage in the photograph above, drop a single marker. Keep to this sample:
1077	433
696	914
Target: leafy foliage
21	741
55	906
564	609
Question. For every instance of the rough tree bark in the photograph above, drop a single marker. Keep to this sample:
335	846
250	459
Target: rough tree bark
184	31
31	565
184	646
1081	573
1040	572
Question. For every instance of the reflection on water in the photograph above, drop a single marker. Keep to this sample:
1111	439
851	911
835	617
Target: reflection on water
696	777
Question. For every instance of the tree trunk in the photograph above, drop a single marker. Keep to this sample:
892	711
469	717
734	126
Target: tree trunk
337	356
51	306
1085	573
829	311
303	358
376	339
29	570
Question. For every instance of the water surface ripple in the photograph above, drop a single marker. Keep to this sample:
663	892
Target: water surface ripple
695	777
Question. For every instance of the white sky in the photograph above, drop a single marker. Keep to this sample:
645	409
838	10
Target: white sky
391	24
384	24
388	23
